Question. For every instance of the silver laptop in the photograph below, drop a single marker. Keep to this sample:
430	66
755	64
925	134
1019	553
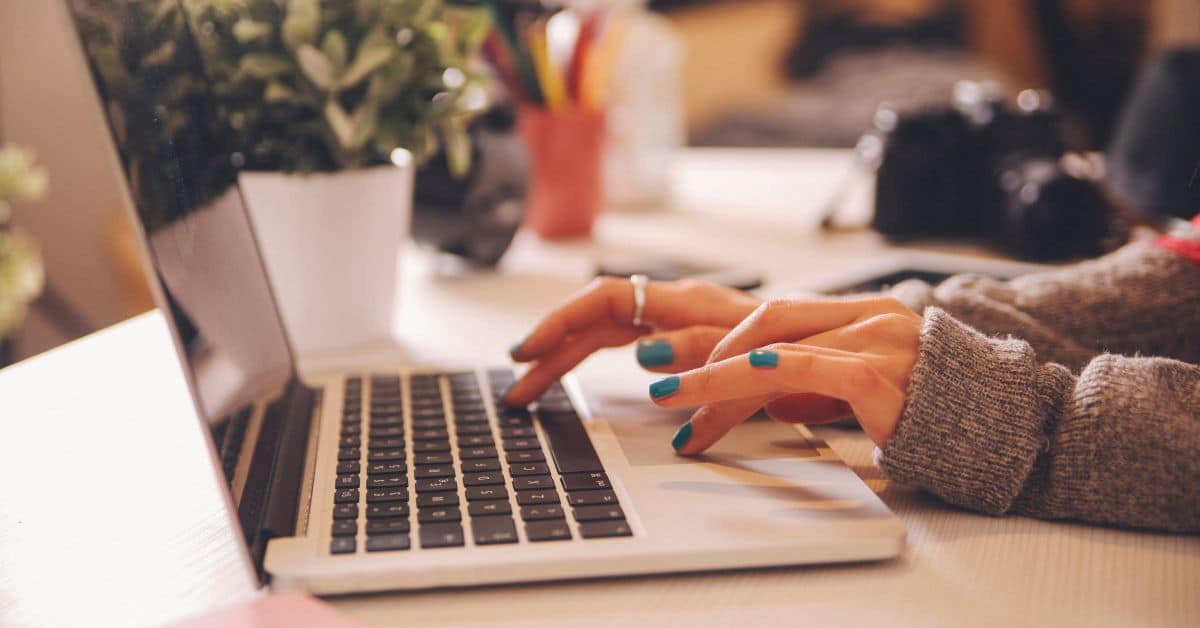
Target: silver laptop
396	476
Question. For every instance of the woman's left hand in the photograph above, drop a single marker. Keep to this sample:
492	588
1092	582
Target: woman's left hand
810	361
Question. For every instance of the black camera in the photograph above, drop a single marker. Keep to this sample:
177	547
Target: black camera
984	168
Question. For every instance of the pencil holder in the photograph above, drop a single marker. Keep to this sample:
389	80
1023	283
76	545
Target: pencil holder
566	151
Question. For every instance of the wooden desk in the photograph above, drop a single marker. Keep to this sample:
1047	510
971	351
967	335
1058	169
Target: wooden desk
108	515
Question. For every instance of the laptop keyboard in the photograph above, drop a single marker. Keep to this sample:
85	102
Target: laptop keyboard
423	461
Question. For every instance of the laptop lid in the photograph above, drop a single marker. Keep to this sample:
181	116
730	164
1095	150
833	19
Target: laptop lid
179	163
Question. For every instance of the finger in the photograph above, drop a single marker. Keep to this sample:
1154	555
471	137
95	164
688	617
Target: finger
678	350
788	320
698	433
669	305
775	371
807	408
566	356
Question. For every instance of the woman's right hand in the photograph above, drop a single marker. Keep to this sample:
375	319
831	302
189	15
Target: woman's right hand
682	322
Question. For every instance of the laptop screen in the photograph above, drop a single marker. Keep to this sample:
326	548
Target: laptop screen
180	163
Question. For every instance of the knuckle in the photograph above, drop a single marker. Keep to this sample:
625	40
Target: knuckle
774	309
604	284
890	305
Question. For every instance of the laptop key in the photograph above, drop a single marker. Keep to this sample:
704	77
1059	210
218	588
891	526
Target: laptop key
387	481
528	455
387	511
388	431
434	500
349	453
569	443
347	481
533	482
385	468
433	471
441	535
482	464
517	444
529	498
483	479
517	432
530	468
351	429
434	458
547	511
345	527
342	545
585	481
480	440
433	485
430	434
348	466
548	530
601	529
387	542
428	424
387	526
345	511
443	513
346	496
471	453
494	530
493	507
382	455
484	493
591	498
378	443
473	429
598	513
390	494
431	446
470	418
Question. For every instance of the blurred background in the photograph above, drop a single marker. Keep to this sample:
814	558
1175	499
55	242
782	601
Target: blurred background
778	73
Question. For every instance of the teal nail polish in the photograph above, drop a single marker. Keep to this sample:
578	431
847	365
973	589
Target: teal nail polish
664	387
682	436
655	353
764	359
515	350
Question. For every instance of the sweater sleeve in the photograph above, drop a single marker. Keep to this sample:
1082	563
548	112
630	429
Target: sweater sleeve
1142	298
990	427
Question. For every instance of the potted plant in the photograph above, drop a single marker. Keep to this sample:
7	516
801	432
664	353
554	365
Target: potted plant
21	274
335	103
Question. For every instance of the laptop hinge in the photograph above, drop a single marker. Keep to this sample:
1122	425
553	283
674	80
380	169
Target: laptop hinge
272	495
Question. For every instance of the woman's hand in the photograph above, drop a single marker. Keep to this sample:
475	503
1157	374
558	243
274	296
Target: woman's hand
685	320
805	362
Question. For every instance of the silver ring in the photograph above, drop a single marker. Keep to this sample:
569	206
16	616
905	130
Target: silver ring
639	297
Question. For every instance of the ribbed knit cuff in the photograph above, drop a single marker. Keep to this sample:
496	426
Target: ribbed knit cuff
914	293
973	424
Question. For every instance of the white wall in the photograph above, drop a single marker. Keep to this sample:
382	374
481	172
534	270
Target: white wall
47	103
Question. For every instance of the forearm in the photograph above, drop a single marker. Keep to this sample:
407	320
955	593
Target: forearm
989	427
1140	299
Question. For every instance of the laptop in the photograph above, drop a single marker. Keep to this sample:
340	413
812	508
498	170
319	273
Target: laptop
410	476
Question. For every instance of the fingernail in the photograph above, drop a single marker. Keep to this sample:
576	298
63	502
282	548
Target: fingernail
515	350
655	353
682	436
506	392
764	359
664	387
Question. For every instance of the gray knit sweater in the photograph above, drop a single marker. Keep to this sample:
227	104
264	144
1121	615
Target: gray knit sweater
1038	396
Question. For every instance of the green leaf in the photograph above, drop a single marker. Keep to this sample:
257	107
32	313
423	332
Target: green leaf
367	61
315	67
264	65
340	123
247	31
277	92
366	120
301	24
458	148
336	50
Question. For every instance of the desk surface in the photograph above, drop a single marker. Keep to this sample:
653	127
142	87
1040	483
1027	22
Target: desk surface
88	536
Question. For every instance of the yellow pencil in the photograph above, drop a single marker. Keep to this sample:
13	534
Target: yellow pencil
551	81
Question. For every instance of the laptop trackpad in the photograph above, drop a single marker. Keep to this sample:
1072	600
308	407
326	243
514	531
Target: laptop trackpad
645	431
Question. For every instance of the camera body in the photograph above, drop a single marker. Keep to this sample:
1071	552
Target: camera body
979	167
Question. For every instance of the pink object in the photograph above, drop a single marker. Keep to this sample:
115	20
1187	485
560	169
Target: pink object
284	610
566	150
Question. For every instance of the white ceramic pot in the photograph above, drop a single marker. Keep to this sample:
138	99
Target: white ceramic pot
331	243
